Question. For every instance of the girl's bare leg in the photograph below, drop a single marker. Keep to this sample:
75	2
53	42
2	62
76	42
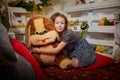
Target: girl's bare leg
74	62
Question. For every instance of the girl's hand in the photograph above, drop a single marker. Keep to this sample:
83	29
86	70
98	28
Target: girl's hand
35	50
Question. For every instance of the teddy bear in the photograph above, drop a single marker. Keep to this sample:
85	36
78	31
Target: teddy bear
40	32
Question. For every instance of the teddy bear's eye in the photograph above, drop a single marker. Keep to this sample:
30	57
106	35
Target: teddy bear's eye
37	33
45	31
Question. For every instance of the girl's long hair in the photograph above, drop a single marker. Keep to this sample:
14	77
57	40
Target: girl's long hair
54	16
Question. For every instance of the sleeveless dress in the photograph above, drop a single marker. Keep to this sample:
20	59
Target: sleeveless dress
79	48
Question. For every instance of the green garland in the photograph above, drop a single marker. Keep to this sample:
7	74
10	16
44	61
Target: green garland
84	27
4	19
30	6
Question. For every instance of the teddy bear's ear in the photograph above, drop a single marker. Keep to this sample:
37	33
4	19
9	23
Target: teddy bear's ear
27	35
6	49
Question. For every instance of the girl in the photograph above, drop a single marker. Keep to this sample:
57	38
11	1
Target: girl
80	52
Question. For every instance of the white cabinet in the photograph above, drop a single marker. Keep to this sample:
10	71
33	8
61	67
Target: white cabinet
19	33
18	18
92	13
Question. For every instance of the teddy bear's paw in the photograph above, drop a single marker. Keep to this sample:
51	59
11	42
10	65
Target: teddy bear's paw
65	64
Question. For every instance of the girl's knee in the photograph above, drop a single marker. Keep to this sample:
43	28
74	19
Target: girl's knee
74	62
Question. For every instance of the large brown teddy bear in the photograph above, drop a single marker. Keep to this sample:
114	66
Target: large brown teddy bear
40	32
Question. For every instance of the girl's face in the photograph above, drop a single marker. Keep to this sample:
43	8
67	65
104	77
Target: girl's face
59	23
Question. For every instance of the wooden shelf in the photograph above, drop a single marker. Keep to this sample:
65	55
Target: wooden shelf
22	13
78	18
93	6
17	9
99	29
102	29
17	33
11	34
17	30
101	42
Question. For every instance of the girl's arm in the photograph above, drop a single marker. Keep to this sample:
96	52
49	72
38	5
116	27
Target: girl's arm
56	50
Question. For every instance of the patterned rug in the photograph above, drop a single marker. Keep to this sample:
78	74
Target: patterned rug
111	72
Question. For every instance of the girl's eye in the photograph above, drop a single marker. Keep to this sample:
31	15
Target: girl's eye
56	22
63	23
59	23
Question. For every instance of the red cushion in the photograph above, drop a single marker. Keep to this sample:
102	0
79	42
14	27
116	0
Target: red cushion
102	61
23	51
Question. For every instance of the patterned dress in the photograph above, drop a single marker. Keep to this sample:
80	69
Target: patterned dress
79	48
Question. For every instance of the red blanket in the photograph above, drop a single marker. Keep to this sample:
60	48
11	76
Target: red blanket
23	51
100	62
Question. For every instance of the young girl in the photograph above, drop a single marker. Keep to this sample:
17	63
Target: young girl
80	52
